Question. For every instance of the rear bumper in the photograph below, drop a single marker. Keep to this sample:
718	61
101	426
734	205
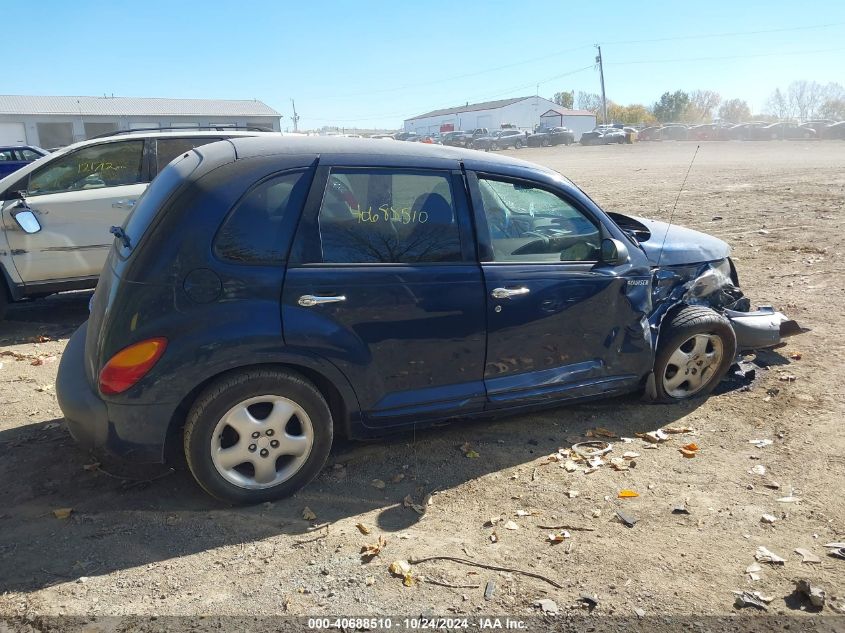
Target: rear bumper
762	328
136	432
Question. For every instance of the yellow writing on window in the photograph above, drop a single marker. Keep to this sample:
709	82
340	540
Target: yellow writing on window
386	213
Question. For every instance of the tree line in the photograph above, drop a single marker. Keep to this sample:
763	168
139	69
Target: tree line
802	100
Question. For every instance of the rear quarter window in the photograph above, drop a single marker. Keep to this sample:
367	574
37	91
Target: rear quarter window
254	231
154	198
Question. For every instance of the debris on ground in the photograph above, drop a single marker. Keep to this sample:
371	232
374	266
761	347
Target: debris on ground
689	450
682	509
591	600
510	525
753	571
807	556
601	432
628	494
492	521
653	437
752	599
816	595
408	502
760	443
371	550
468	451
674	430
837	550
640	613
768	518
308	514
62	513
788	499
363	528
489	588
378	484
590	450
402	569
547	606
572	494
758	469
764	555
627	519
558	537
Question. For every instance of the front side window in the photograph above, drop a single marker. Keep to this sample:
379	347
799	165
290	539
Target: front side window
252	232
7	155
388	217
28	154
529	224
92	167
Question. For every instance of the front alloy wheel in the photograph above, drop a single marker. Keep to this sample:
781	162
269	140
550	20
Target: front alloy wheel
695	350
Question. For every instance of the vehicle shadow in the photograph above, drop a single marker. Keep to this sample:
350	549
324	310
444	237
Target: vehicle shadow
127	516
56	316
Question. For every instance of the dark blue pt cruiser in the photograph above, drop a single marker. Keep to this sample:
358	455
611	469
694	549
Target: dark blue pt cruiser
269	293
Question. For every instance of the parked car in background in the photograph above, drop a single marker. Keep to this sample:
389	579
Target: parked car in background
417	285
650	133
457	139
745	131
546	137
674	132
13	157
500	139
818	125
603	136
704	132
56	212
783	130
834	131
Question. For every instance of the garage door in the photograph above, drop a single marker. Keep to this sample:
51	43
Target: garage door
12	134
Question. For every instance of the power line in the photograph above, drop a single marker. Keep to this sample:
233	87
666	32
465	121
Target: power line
731	34
721	57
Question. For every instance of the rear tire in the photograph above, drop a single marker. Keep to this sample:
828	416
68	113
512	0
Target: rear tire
696	348
257	435
517	144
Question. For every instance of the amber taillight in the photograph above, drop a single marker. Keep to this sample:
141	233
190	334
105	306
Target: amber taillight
130	364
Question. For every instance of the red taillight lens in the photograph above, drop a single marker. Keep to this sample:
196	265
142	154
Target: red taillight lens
130	364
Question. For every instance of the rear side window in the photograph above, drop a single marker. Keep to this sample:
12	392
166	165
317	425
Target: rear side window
252	232
92	167
169	148
389	217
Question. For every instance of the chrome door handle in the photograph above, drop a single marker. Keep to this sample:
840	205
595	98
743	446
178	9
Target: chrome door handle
308	301
507	293
123	204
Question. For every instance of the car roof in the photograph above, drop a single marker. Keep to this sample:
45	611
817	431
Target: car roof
406	153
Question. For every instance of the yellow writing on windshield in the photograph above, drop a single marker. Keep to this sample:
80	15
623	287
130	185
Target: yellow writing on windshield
386	213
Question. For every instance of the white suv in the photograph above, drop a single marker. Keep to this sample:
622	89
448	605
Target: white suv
56	212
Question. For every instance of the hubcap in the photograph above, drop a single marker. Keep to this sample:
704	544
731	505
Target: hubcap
262	442
693	365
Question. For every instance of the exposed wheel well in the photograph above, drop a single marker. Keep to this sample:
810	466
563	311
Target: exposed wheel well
340	414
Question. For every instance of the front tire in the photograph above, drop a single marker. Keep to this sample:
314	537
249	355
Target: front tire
257	435
696	348
517	144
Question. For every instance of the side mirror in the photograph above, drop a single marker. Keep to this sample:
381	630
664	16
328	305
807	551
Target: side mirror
27	221
613	252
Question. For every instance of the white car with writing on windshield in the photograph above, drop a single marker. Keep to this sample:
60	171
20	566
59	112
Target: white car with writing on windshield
55	214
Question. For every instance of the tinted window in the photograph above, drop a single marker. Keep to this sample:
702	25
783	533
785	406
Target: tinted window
93	167
29	154
169	148
385	217
531	224
252	232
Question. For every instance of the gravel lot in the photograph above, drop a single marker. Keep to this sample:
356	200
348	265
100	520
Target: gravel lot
146	541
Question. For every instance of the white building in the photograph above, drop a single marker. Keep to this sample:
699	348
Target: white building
524	113
57	121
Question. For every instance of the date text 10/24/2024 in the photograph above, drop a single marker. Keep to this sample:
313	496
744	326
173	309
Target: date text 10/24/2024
417	624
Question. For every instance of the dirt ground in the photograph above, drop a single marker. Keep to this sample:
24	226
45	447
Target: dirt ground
146	541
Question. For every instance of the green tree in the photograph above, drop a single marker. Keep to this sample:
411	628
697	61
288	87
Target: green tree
632	114
701	106
735	111
564	99
671	106
589	101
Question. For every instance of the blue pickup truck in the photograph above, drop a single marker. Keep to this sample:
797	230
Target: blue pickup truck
13	157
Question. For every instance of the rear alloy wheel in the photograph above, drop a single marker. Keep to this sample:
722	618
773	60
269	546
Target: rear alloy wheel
695	350
257	435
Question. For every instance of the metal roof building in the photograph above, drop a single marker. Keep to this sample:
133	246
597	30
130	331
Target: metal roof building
57	121
524	113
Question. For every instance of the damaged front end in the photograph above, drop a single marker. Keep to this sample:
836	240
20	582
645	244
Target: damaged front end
713	283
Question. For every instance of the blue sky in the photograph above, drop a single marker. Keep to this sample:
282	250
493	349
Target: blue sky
373	63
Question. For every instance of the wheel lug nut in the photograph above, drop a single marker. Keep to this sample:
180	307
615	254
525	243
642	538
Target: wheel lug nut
269	432
252	448
264	452
256	435
275	443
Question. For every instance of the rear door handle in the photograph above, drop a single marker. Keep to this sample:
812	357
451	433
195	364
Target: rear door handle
123	204
308	301
507	293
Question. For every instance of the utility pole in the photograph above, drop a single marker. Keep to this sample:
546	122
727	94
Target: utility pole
295	117
603	97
